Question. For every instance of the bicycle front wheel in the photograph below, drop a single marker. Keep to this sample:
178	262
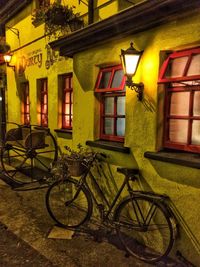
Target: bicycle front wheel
67	207
144	228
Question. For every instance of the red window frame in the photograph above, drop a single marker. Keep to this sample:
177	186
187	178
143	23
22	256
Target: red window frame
26	104
178	54
43	103
190	118
183	83
67	101
110	92
112	69
103	116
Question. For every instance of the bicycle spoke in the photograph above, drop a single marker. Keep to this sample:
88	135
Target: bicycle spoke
46	152
42	163
67	206
19	167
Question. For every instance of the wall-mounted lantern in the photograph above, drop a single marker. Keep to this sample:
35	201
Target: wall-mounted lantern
7	59
130	60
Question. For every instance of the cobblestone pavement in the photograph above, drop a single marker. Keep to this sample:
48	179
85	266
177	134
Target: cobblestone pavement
25	215
16	252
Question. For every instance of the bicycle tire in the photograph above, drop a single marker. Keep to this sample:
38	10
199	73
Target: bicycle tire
151	236
74	213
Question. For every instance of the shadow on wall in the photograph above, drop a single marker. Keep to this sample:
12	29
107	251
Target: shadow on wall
84	72
108	178
179	174
149	103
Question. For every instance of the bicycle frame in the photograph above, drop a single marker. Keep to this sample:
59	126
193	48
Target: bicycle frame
105	214
100	206
145	212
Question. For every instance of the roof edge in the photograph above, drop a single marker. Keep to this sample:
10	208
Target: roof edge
143	16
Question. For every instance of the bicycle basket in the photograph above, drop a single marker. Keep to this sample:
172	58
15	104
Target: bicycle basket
76	166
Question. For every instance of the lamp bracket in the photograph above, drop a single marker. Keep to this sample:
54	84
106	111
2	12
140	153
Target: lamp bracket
13	30
11	66
138	87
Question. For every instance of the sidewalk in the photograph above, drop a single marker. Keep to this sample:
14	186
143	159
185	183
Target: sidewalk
25	214
15	252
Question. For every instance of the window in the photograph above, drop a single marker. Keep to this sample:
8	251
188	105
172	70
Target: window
67	101
25	104
43	101
181	74
110	87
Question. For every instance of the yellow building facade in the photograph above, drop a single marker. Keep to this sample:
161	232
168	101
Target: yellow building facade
37	57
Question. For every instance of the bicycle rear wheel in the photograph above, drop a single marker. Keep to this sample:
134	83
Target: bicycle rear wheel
144	228
67	208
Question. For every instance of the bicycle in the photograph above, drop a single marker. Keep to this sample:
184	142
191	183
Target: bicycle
143	220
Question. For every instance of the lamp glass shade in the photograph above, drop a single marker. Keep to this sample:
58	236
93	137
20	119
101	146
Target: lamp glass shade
7	58
130	59
131	63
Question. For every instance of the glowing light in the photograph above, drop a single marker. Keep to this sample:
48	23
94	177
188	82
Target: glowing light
7	58
131	64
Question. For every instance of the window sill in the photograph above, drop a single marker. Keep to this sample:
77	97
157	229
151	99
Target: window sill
181	158
108	145
67	131
40	127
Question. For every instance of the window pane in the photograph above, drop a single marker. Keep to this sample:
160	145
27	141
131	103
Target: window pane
109	105
117	79
196	132
178	131
66	109
67	83
196	106
105	80
44	109
194	68
26	109
66	121
26	119
45	99
44	120
179	103
109	126
67	97
176	67
121	126
121	105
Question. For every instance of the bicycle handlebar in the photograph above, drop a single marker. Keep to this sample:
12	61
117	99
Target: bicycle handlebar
103	155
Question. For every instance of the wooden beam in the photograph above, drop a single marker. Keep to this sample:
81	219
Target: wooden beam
90	11
133	20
